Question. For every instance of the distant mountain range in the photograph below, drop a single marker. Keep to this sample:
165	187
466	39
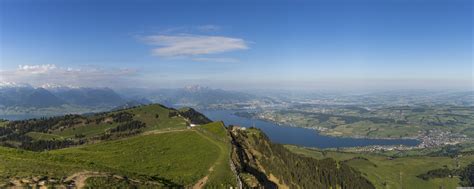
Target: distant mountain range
194	96
90	96
26	96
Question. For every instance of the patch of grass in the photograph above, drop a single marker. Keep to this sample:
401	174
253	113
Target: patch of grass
110	182
175	157
44	136
97	182
3	123
221	175
22	163
157	117
216	128
181	157
87	130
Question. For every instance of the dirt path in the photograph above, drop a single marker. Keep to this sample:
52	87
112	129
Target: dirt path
201	182
80	178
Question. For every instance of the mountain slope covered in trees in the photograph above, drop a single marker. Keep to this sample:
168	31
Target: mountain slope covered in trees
261	163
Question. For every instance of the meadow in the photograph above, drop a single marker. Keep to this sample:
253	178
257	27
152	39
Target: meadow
180	158
165	153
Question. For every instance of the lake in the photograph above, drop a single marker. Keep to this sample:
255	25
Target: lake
300	136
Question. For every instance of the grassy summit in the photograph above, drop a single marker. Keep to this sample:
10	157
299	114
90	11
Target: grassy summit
116	149
175	158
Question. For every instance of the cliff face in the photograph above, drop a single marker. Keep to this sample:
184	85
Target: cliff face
261	163
246	163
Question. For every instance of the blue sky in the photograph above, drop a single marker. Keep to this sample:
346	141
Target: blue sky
238	44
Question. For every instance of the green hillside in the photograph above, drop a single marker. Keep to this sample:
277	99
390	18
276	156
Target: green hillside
178	158
222	175
396	172
71	130
147	146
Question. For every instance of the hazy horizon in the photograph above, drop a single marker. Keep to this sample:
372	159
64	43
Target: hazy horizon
304	45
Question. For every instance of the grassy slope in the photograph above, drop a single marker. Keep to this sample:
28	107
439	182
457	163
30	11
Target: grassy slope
222	175
87	130
22	164
174	153
181	157
147	114
44	136
177	155
379	169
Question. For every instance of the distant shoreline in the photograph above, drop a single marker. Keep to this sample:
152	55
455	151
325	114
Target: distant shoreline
326	134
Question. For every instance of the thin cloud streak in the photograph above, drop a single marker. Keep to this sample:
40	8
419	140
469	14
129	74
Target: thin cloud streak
193	45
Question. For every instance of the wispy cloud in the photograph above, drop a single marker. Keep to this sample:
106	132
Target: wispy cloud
36	69
197	29
38	75
193	45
